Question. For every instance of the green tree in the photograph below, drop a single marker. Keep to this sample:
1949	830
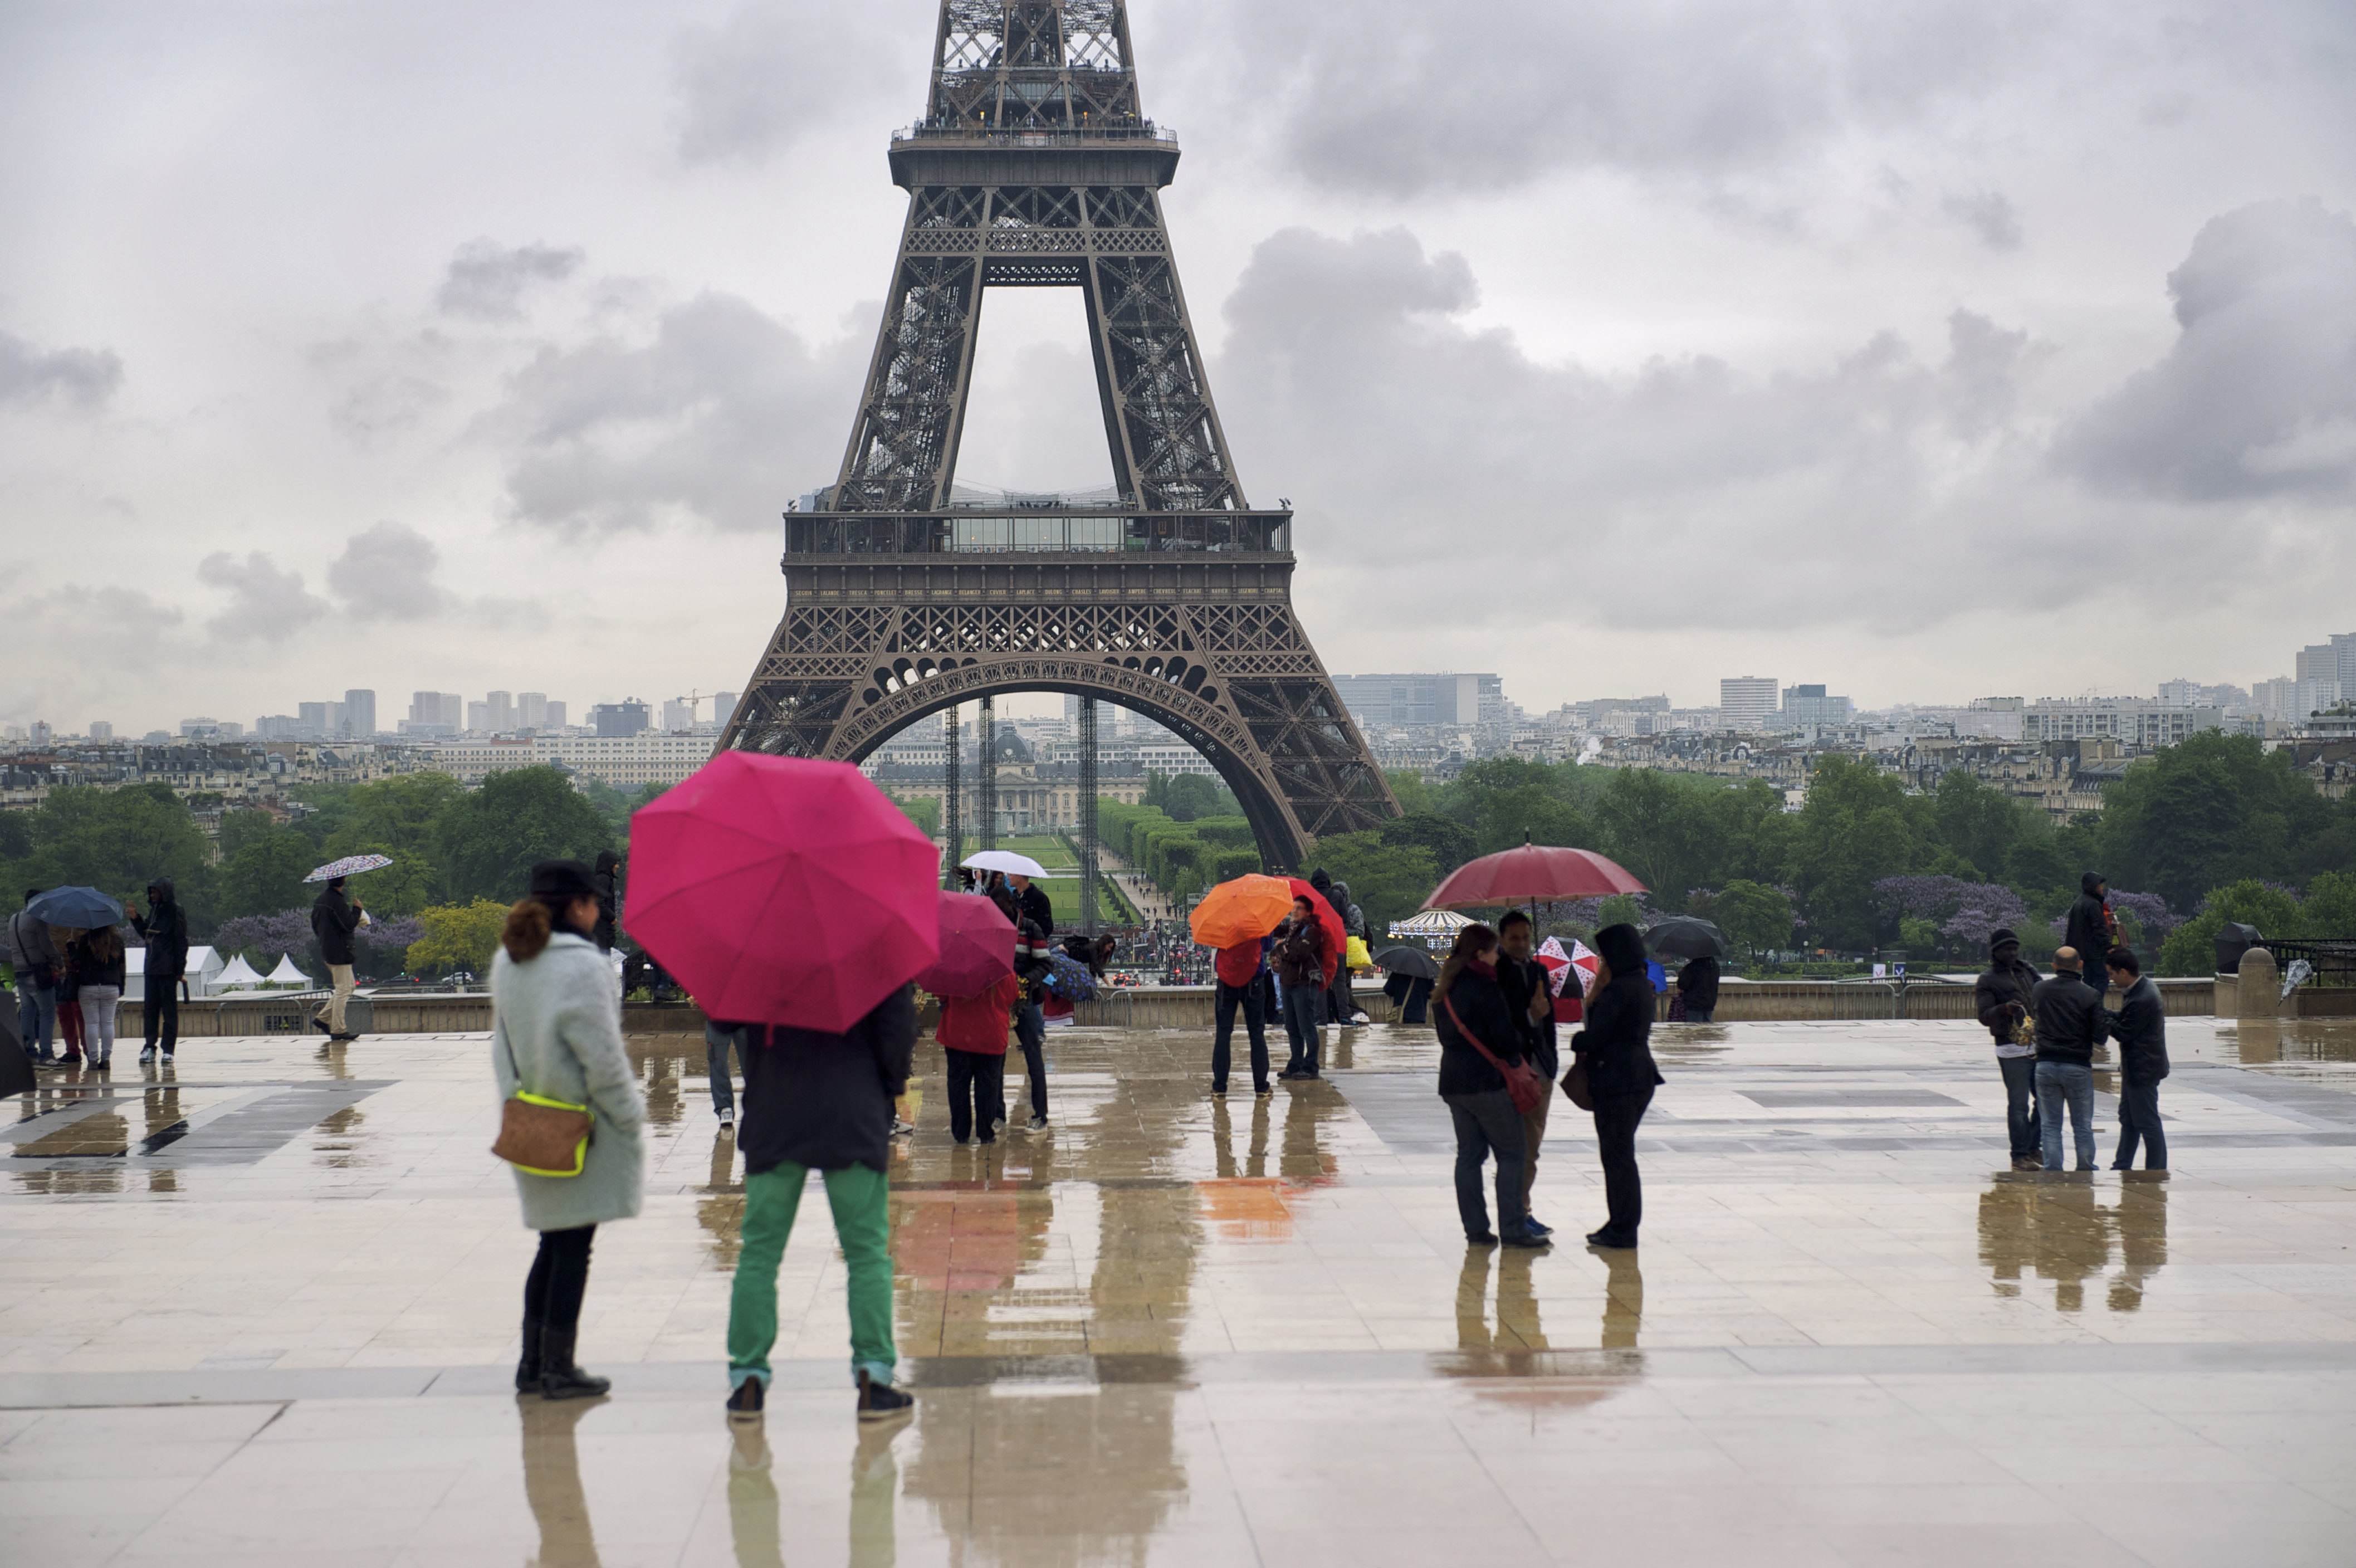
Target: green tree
1449	842
490	840
925	810
265	875
1415	796
1389	882
1754	916
118	841
2191	948
458	936
2215	810
1859	825
1980	825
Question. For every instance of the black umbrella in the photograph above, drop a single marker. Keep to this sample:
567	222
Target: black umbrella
1682	936
80	908
1406	959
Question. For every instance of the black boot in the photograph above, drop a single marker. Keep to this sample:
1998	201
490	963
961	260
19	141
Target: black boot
559	1378
528	1369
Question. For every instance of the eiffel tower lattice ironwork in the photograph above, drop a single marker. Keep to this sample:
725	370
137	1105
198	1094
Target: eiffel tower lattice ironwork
1034	166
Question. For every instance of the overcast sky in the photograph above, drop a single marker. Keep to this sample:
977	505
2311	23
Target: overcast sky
1930	348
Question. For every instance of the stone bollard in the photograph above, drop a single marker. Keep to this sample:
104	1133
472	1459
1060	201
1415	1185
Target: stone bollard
2258	990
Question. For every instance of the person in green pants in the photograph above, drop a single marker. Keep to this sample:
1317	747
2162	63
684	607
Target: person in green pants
816	1101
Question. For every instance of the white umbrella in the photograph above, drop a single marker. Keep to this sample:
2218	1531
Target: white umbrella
1005	860
287	974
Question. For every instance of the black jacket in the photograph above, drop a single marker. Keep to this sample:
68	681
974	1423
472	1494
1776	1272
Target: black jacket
2086	931
825	1101
333	921
1618	1038
1038	907
2140	1026
608	897
1517	979
165	927
1698	984
1993	996
89	969
1481	1001
1300	957
2070	1020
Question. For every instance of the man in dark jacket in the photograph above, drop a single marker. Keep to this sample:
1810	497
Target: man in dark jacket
2089	928
33	958
1617	1044
1475	1023
1035	922
1300	975
606	878
165	927
2001	1001
2069	1024
2140	1026
817	1101
333	921
1697	983
1523	981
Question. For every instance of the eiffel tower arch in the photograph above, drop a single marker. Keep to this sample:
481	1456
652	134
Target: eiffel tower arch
1034	167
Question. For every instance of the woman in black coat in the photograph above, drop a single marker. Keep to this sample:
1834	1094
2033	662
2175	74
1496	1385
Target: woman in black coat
1697	983
1616	1046
1467	1000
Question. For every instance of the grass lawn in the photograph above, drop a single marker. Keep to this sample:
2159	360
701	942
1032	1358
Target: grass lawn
1064	892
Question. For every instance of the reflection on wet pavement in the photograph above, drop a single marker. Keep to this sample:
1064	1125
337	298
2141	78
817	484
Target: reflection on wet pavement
1177	1328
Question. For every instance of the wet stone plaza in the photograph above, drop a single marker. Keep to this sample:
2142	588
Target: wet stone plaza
260	1308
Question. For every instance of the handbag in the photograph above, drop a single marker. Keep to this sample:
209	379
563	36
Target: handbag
538	1136
1522	1080
1576	1084
1355	954
1677	1007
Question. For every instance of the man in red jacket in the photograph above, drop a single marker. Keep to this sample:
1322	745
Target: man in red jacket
1238	969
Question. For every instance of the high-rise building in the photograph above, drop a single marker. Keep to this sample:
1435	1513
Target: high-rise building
1416	701
498	708
479	718
620	720
42	732
312	719
360	715
531	710
100	730
723	705
1747	702
554	718
1809	706
278	726
677	716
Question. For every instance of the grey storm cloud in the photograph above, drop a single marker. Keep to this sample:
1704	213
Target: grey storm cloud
386	572
769	72
82	379
486	282
1404	97
1989	214
2257	397
725	414
1353	388
266	603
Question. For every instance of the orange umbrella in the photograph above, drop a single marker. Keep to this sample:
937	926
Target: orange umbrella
1245	909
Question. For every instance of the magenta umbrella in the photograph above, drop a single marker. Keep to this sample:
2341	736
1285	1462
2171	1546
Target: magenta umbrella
782	891
977	947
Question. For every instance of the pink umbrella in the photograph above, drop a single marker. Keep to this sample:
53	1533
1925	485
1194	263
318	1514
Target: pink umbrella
782	891
977	947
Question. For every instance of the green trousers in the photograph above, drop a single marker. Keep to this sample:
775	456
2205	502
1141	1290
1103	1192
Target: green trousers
862	1202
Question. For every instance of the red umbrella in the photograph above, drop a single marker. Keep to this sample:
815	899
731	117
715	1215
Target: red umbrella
977	947
1530	875
1337	939
782	891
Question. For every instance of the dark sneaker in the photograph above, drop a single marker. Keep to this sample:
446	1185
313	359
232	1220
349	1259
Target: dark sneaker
1611	1239
1481	1238
1219	1089
882	1402
147	1055
1262	1090
745	1400
1038	1124
1524	1239
728	1124
1536	1229
320	1024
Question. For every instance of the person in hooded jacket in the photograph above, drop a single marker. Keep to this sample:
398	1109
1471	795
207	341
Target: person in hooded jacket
2091	930
165	927
556	1031
33	959
1342	1003
334	918
2001	1001
1475	1022
1617	1046
1697	983
820	1101
2140	1026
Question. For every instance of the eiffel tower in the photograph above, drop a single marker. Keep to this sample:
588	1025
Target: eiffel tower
1035	167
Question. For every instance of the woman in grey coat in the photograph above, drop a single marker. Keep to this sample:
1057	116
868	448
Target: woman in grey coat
556	1030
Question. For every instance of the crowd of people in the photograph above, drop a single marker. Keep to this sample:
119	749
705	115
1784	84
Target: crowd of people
70	980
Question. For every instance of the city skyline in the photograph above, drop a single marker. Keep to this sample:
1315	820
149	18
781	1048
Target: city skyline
1800	355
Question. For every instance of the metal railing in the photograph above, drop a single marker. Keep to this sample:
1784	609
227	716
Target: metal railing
1038	136
2333	959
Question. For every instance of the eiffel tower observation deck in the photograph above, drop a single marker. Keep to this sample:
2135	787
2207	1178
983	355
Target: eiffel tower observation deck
1034	167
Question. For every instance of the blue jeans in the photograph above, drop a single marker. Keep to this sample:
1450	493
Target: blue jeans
1488	1124
2071	1084
1031	1034
715	1054
1304	1016
2020	1103
2139	1117
1223	1012
37	1016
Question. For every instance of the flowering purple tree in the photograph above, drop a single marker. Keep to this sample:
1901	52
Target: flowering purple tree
266	938
385	942
1995	906
1964	912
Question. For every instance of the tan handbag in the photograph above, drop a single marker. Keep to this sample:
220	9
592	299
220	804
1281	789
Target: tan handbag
540	1136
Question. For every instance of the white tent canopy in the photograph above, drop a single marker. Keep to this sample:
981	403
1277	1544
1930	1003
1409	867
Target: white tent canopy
1430	923
237	974
287	974
203	973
